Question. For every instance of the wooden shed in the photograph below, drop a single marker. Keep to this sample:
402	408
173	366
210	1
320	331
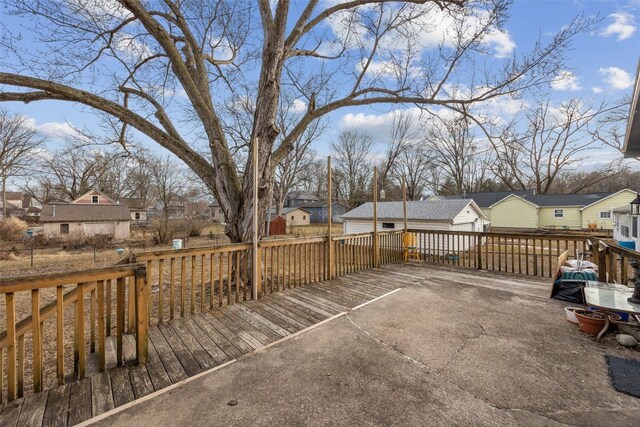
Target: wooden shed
278	226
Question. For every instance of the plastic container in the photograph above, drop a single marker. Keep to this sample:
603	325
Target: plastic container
571	316
628	245
177	243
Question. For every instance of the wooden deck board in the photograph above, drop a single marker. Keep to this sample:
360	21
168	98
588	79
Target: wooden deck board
79	401
101	397
56	412
121	386
186	346
170	362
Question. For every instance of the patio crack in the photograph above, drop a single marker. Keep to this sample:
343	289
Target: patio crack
440	374
390	347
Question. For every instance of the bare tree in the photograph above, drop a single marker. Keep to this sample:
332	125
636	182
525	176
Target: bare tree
553	141
353	163
454	148
18	142
73	170
154	66
289	172
401	135
416	165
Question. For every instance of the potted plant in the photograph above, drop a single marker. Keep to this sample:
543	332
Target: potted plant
592	322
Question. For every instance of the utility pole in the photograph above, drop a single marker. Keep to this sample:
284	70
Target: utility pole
255	279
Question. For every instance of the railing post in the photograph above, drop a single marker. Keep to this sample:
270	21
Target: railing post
479	251
142	315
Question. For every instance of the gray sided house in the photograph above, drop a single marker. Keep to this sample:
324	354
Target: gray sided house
631	147
319	211
85	220
298	198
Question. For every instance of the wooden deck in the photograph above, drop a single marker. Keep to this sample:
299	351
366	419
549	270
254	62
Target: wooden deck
184	347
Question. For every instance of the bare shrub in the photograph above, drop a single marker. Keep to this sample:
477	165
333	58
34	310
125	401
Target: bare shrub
12	229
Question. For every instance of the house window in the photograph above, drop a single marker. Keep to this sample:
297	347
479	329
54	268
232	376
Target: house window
137	215
94	199
219	211
605	215
634	226
292	217
64	228
624	231
388	225
558	213
304	217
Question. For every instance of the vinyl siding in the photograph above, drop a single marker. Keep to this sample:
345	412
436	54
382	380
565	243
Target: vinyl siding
297	217
487	213
351	226
87	199
571	218
435	244
592	213
513	212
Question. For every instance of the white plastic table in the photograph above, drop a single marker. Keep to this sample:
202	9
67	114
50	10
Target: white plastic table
610	300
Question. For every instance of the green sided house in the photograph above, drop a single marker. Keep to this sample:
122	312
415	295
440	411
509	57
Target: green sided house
526	210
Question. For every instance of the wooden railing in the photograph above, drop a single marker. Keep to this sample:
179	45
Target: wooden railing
187	281
355	252
289	263
613	260
42	332
529	254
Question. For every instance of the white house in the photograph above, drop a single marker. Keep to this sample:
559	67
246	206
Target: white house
440	215
626	228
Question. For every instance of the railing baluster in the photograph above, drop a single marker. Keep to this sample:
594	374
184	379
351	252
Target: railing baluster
92	321
221	280
172	287
20	366
183	284
120	289
202	283
11	347
192	303
79	343
108	307
37	340
212	275
160	290
60	334
101	334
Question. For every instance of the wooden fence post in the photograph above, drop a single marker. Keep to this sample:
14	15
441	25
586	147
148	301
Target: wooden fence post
331	257
142	315
479	251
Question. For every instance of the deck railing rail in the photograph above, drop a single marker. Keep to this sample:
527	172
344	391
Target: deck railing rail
92	295
519	253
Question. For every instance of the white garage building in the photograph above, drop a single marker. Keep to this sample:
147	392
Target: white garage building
438	215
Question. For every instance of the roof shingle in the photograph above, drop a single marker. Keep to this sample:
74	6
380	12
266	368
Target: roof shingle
438	210
77	213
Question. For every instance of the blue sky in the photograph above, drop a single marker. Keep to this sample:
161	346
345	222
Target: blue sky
601	65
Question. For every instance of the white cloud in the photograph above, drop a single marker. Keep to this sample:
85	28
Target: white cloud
431	28
616	77
298	106
378	126
99	9
131	46
623	26
53	130
597	89
566	80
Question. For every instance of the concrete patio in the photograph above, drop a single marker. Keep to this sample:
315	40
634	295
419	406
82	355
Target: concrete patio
453	347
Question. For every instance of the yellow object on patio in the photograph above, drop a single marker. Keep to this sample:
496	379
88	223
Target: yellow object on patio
410	248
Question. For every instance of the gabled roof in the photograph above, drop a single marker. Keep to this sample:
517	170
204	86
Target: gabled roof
516	196
424	210
610	195
319	204
84	213
486	199
293	208
100	193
